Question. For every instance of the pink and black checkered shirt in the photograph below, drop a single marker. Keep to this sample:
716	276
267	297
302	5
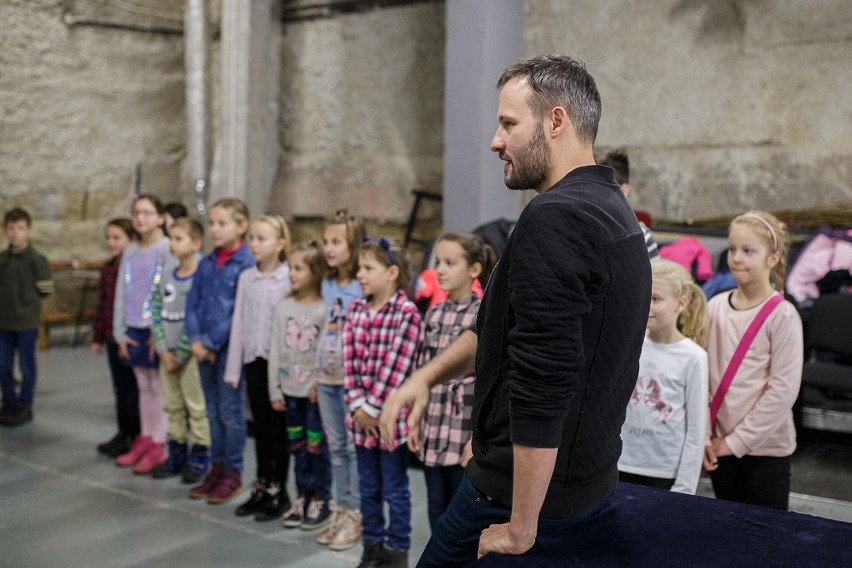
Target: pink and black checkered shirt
379	353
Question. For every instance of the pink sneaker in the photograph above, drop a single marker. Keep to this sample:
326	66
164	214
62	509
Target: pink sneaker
229	486
153	458
138	449
203	489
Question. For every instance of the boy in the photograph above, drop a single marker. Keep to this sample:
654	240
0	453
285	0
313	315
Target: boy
25	279
182	394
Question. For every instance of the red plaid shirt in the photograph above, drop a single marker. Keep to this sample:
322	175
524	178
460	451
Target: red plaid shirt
379	353
102	324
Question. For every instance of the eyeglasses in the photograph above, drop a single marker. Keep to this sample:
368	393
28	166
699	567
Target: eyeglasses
144	213
385	244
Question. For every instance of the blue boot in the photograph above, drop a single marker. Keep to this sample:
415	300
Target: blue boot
174	464
199	462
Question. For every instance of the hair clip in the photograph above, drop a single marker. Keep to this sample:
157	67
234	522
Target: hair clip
341	214
385	244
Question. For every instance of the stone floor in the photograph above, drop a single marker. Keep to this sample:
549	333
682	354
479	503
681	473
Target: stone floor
62	504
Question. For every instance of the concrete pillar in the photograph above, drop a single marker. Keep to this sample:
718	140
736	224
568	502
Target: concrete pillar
246	155
483	38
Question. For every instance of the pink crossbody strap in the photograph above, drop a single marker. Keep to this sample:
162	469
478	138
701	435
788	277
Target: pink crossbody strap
739	354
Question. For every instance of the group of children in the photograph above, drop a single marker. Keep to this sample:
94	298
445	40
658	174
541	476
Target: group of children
318	337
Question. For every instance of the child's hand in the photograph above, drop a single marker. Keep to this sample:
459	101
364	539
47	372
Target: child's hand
234	384
720	448
95	348
152	349
279	405
710	460
367	424
170	362
467	453
312	394
123	353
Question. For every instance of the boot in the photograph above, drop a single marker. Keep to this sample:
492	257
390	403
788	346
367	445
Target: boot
394	557
229	486
197	465
372	557
275	504
21	414
153	458
174	464
202	490
138	448
254	503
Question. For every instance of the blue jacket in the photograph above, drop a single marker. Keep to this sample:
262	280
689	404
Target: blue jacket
210	304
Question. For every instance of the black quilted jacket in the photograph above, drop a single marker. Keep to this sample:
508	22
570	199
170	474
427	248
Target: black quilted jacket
560	330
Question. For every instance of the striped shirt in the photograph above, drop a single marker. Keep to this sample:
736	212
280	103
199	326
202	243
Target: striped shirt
379	353
446	426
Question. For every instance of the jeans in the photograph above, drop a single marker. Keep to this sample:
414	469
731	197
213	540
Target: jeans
24	342
270	426
384	478
442	482
308	447
645	480
225	413
344	466
125	391
455	540
757	480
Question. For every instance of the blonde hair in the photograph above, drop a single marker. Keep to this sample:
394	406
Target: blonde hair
692	321
355	234
282	231
774	232
390	253
237	208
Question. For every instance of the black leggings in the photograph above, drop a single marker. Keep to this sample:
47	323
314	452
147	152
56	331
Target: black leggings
756	480
270	426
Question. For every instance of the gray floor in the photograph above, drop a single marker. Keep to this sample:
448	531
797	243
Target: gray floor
62	504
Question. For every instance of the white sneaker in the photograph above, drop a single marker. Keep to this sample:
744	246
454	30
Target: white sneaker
294	518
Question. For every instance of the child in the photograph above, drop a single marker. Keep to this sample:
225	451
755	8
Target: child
174	211
209	310
260	289
182	395
342	238
292	386
118	235
381	339
25	279
140	272
663	435
748	452
461	258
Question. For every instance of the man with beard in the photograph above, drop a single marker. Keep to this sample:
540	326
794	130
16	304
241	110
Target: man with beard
556	345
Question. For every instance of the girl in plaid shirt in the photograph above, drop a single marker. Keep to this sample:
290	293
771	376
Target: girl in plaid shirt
381	339
461	259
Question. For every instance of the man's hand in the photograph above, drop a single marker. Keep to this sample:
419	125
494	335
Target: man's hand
414	395
367	424
502	540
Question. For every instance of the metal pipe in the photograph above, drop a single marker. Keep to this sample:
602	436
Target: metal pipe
197	47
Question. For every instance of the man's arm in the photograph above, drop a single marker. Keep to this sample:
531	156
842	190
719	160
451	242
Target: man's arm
532	470
454	361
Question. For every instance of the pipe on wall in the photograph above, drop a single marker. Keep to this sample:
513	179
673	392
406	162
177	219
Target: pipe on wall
196	50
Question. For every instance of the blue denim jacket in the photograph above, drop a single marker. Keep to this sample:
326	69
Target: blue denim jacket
210	304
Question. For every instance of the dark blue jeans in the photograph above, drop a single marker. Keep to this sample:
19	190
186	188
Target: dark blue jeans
125	390
455	540
442	482
383	476
24	342
308	447
225	411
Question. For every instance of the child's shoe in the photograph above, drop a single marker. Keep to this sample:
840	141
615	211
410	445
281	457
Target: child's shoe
229	486
138	448
202	490
327	535
153	458
317	515
20	414
372	556
197	465
174	464
394	557
294	518
349	532
107	447
275	504
6	410
258	496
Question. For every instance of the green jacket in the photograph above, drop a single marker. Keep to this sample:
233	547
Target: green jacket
25	279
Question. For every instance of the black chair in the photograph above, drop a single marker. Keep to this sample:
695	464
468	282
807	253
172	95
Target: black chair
827	372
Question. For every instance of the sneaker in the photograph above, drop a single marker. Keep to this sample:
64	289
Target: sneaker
20	414
138	448
372	556
349	532
202	490
174	464
197	464
229	486
327	535
394	557
294	518
275	504
153	458
318	514
255	501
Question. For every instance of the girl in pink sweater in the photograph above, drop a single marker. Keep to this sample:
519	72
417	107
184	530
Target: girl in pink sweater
749	444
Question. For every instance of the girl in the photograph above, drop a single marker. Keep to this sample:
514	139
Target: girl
141	267
381	339
342	238
663	434
753	436
118	235
209	310
292	385
461	259
260	289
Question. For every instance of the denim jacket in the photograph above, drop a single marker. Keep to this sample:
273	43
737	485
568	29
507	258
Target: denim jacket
210	304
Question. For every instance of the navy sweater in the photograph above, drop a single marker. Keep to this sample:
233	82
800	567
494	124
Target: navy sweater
560	331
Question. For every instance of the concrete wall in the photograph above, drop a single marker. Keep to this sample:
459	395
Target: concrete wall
723	105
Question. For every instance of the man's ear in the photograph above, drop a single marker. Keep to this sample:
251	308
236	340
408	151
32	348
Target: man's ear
559	121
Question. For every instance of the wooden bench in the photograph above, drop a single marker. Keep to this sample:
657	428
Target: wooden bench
54	311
